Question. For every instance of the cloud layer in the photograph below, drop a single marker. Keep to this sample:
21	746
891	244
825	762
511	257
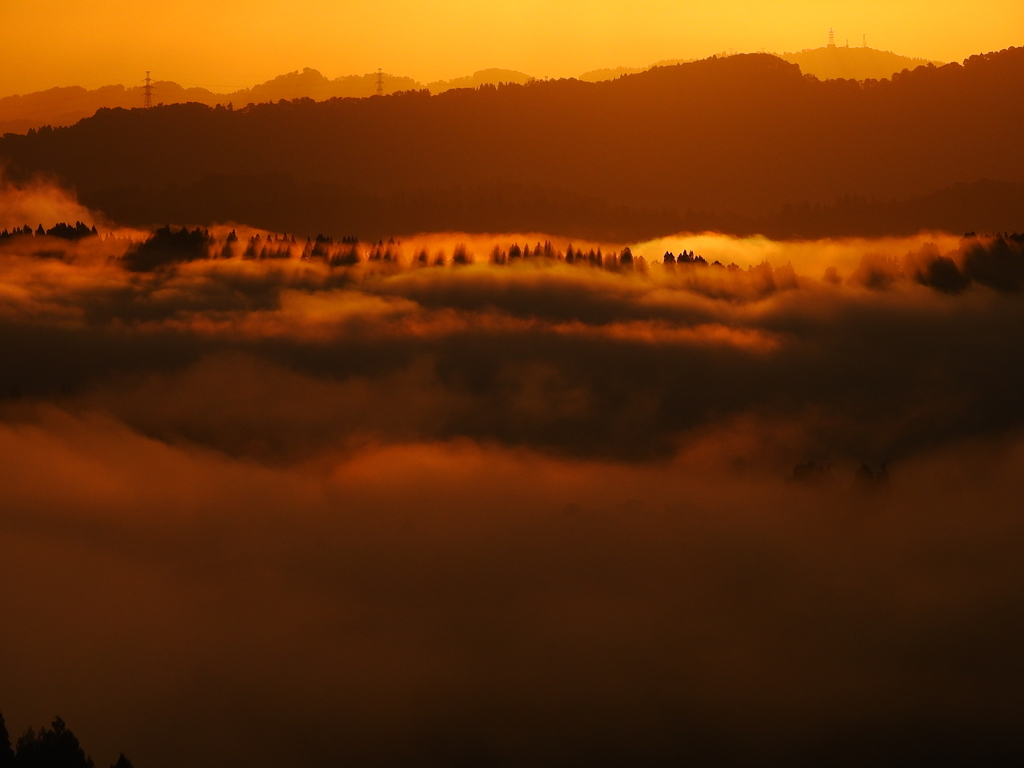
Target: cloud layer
277	512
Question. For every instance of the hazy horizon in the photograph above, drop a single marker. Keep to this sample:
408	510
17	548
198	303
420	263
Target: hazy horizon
227	90
455	38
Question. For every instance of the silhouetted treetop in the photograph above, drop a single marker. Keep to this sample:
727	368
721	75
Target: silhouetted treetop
69	232
6	753
54	747
997	262
168	246
65	231
16	232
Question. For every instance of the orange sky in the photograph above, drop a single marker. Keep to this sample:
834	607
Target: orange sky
225	44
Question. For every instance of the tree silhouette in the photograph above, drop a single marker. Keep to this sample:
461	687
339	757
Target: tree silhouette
167	246
997	262
68	232
460	256
6	753
56	747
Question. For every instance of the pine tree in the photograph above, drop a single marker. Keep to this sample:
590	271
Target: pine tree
6	753
53	748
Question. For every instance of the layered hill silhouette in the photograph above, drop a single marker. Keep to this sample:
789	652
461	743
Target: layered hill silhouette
68	105
826	63
862	63
740	143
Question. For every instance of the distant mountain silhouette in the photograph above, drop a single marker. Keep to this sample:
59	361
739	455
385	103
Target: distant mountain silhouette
734	143
66	106
835	63
862	63
610	73
309	83
481	77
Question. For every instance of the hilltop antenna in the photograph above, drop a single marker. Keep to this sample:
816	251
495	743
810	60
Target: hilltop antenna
831	39
147	92
380	81
865	43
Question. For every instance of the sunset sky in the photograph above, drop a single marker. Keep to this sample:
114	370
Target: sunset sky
234	43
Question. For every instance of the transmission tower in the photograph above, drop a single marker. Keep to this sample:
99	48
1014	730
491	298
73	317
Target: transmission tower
380	81
147	92
831	39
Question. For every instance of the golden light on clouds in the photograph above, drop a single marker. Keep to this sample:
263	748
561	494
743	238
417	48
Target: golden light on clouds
230	44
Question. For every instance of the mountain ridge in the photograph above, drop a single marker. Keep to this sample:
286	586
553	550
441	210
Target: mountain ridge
825	63
67	105
736	138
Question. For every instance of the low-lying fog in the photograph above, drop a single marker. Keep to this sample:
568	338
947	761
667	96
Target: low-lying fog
277	512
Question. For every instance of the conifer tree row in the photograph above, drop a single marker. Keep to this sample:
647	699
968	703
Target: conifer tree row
53	747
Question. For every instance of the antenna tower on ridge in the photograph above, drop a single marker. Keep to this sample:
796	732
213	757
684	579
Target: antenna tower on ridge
831	39
865	43
147	92
380	81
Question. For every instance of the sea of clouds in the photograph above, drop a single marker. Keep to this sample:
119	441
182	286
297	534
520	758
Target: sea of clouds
275	512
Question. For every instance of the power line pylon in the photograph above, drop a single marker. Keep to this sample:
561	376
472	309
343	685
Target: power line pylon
380	81
147	92
831	39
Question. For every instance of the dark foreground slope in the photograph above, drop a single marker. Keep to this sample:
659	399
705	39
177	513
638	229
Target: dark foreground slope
721	143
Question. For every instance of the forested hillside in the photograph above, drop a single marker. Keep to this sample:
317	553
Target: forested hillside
730	143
